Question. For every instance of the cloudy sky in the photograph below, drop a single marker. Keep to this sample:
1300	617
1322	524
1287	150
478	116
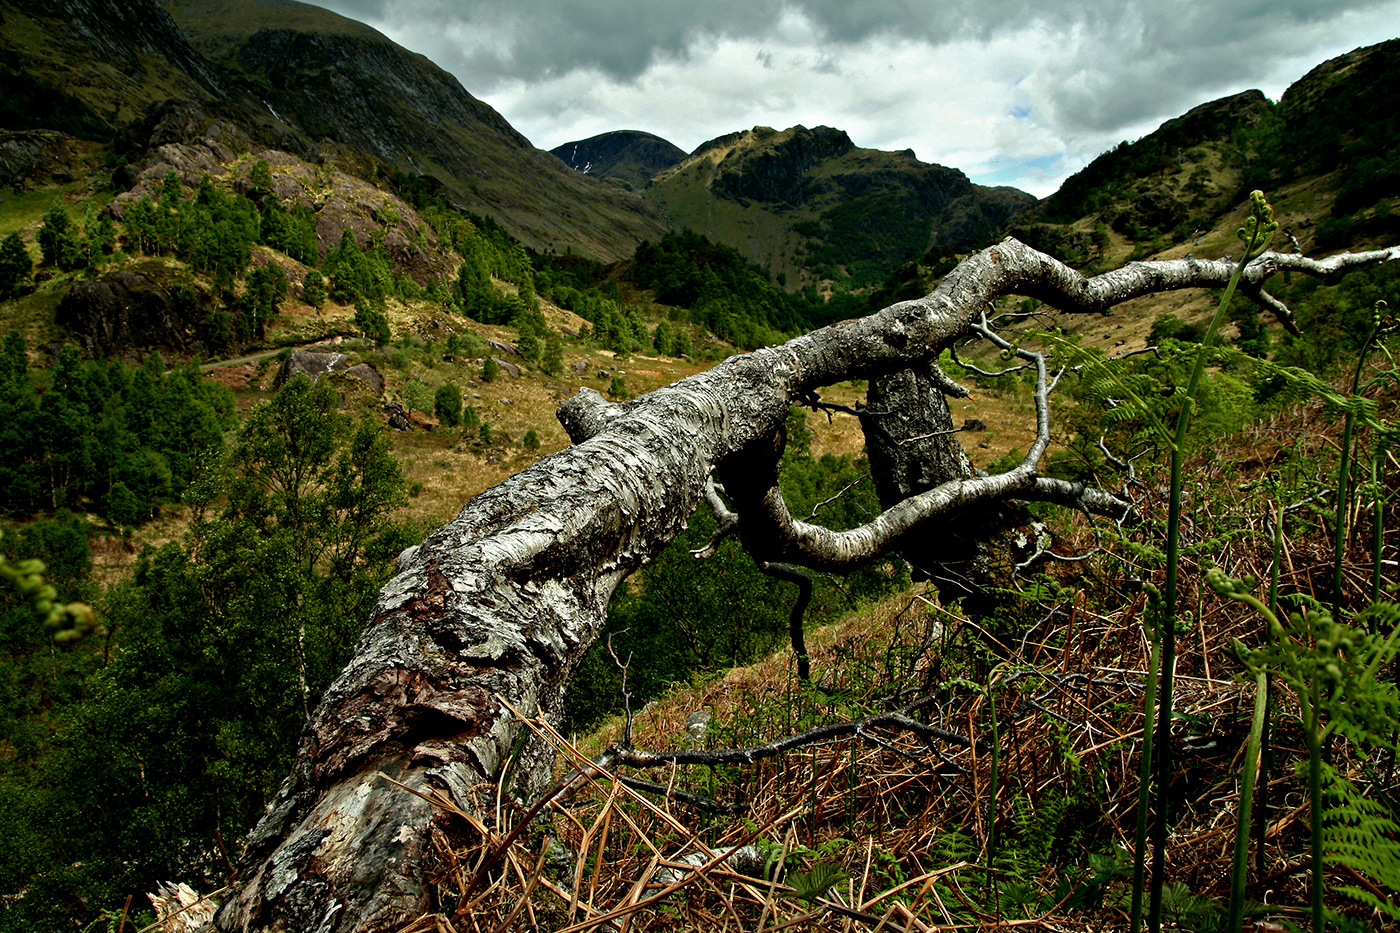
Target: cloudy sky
1010	91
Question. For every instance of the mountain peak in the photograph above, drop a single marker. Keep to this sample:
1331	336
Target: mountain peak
628	158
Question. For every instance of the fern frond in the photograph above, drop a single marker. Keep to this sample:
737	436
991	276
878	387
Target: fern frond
1361	834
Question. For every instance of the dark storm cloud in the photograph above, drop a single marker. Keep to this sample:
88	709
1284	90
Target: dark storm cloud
1132	50
1011	82
533	39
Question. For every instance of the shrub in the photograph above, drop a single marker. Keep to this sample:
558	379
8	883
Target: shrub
417	397
447	405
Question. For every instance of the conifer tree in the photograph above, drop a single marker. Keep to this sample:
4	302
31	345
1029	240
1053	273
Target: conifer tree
313	288
15	266
553	361
59	242
447	404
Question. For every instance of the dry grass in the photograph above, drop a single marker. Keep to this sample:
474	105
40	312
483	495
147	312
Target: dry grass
909	823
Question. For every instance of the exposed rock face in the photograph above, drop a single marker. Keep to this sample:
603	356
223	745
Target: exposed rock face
130	37
36	155
778	173
118	311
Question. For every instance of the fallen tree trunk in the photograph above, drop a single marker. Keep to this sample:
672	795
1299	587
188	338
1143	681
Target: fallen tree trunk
503	600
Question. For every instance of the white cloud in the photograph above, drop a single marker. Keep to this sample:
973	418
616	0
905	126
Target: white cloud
1009	91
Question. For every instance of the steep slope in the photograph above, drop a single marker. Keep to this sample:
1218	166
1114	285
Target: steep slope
1108	183
303	80
811	206
1327	152
628	158
100	64
1343	117
365	100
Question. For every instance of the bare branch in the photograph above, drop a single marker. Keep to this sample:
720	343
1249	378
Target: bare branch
830	499
726	522
944	383
799	610
626	694
818	735
823	549
986	374
1082	496
694	800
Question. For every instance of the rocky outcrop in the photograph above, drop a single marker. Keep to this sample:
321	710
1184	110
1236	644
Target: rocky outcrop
316	364
368	375
119	311
508	367
340	201
776	172
309	363
398	418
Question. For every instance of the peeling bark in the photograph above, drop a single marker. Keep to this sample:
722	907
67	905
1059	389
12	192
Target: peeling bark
503	600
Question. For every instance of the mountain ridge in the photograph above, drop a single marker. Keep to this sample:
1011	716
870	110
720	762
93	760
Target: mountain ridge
818	211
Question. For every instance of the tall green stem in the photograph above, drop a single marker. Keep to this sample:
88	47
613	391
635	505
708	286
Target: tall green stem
1149	709
1311	701
1266	753
1378	532
1344	487
1258	229
1252	765
1378	328
992	841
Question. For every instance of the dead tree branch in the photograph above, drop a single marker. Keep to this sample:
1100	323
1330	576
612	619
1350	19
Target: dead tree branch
501	602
